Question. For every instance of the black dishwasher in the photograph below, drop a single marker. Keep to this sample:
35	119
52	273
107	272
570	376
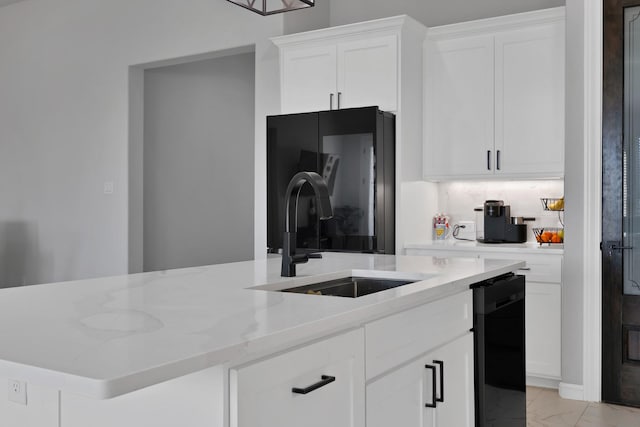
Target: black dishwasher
500	378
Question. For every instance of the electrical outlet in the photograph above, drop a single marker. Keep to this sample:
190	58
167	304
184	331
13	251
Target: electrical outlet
467	230
469	226
17	391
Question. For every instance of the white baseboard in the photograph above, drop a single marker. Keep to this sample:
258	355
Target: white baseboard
542	382
571	391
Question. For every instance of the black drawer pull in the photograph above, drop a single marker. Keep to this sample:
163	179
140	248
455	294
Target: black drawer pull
441	364
433	387
326	379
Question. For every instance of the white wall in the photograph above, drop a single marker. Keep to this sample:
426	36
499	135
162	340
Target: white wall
198	162
573	280
64	116
432	12
308	19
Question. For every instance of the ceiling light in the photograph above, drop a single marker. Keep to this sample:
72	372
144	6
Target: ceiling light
269	7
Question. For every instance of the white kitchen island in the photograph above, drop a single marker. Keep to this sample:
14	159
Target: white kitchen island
202	347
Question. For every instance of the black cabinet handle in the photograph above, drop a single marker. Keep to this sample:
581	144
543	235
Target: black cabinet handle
441	364
488	160
326	379
339	96
433	387
330	101
498	159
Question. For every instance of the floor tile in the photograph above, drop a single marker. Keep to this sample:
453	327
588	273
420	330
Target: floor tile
532	393
605	415
547	409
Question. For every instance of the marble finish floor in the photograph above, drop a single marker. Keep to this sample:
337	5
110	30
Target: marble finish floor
546	409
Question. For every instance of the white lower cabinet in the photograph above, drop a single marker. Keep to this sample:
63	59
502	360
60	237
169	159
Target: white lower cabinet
543	309
319	385
543	316
405	397
543	319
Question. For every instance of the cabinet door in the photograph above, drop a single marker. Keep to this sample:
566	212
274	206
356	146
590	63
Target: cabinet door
459	107
368	73
456	388
262	394
543	320
530	101
400	397
308	78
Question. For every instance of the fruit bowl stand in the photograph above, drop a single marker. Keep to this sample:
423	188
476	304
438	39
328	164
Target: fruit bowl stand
551	235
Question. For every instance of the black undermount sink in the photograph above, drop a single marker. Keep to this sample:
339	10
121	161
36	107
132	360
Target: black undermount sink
351	287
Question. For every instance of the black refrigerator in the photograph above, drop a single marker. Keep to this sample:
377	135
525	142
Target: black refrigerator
354	151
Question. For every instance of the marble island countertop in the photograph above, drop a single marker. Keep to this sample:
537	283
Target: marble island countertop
109	336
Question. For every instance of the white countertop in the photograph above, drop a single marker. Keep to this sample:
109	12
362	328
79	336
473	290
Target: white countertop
474	246
105	337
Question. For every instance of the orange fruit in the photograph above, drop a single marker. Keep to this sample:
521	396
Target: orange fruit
556	239
546	236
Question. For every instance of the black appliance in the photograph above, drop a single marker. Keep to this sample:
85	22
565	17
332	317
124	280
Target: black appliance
499	226
354	151
499	339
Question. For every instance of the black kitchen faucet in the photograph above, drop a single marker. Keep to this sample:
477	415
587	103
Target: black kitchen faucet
319	186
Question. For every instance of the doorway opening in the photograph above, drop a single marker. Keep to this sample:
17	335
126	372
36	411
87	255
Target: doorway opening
191	161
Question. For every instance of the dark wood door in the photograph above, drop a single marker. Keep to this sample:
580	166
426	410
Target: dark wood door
621	204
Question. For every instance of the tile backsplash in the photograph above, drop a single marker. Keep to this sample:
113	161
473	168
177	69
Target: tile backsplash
458	199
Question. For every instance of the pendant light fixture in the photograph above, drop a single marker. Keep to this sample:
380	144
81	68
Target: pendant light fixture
270	7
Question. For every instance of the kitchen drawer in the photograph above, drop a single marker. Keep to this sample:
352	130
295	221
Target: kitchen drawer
261	394
396	339
539	268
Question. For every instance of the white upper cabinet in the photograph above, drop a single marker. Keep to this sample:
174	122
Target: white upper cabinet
350	66
494	98
459	87
368	73
309	78
530	100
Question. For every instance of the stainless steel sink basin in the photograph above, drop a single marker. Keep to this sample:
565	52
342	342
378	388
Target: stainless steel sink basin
351	287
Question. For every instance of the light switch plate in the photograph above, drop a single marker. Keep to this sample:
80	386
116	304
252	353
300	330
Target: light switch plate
108	187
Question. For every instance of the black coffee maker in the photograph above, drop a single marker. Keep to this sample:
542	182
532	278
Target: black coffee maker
499	226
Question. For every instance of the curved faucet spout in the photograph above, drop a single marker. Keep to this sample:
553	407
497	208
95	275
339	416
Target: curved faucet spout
292	194
319	186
